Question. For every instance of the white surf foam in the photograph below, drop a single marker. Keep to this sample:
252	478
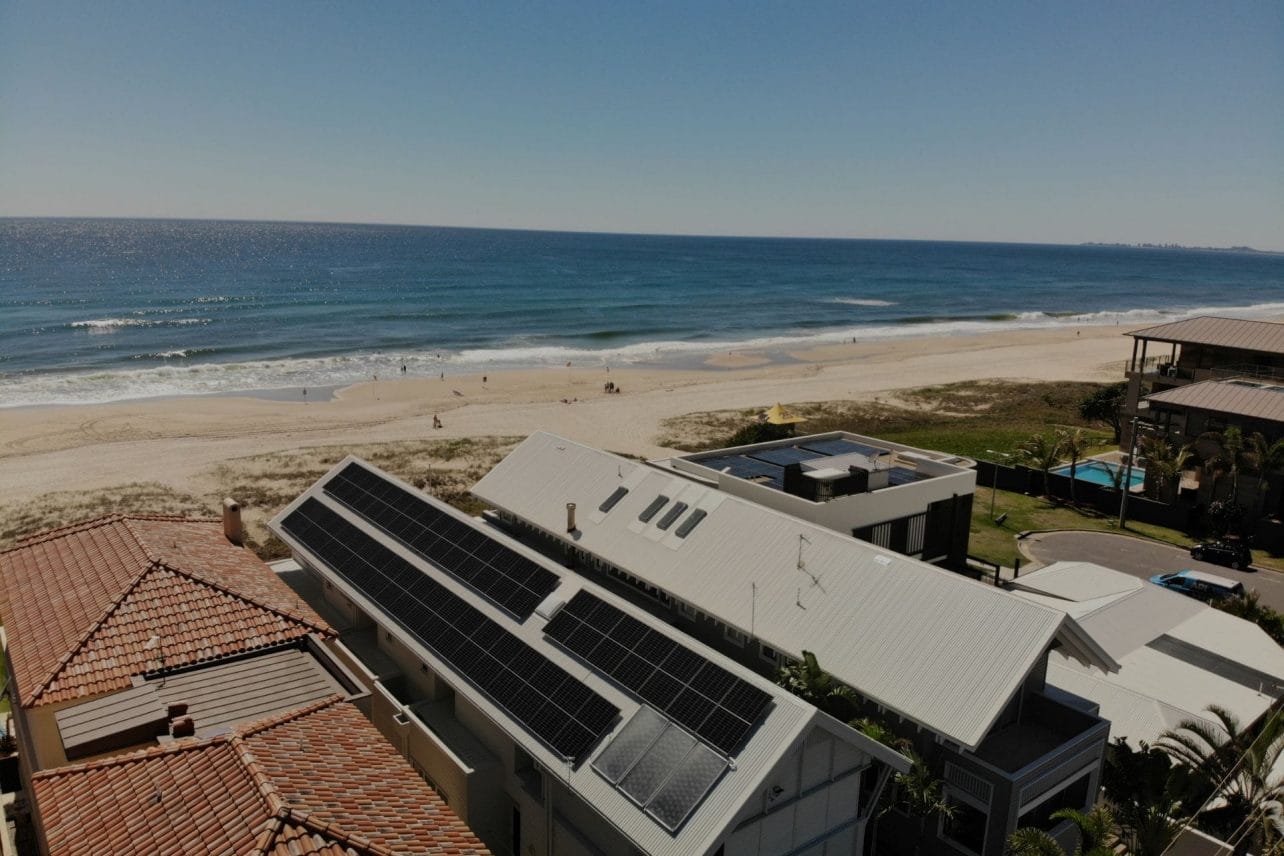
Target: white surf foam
861	301
188	378
106	324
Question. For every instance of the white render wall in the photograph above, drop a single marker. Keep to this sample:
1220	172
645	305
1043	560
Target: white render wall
845	513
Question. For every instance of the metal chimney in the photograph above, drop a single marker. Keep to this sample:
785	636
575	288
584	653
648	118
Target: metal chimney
570	517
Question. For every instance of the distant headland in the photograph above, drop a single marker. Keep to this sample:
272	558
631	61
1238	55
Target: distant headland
1180	247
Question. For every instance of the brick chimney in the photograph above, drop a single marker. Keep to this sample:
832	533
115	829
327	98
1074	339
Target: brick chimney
232	529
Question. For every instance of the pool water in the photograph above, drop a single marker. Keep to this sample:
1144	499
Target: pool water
1099	472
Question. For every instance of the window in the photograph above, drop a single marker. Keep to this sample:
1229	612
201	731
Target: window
734	635
767	653
916	533
966	828
686	610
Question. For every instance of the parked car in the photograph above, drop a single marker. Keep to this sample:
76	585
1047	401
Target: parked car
1232	554
1197	584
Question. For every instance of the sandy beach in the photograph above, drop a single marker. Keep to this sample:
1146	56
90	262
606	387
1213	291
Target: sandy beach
177	442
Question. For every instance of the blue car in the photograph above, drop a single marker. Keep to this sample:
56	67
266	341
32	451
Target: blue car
1197	584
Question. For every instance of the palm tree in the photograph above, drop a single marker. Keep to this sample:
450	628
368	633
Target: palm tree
1223	760
1138	785
1031	841
1231	456
807	680
921	793
1164	462
1268	461
1043	453
1073	444
1094	828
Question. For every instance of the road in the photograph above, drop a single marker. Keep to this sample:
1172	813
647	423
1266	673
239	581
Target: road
1143	558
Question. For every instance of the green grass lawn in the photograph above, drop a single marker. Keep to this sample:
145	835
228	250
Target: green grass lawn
996	543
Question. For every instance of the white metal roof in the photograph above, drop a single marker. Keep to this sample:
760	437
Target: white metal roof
937	648
1176	655
787	721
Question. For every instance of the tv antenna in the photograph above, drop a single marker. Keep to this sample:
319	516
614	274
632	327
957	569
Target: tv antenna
802	563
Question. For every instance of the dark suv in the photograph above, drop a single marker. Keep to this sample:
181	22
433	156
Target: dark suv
1232	554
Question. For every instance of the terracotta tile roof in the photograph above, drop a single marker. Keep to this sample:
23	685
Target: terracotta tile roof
320	780
81	603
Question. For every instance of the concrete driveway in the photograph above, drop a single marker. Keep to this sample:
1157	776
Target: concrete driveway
1142	558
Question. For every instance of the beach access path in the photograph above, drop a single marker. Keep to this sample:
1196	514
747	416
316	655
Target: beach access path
178	441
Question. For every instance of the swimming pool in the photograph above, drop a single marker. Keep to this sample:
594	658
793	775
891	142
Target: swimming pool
1099	472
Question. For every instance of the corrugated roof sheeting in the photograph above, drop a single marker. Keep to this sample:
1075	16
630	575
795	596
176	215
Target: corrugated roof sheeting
1227	396
936	647
1262	336
787	720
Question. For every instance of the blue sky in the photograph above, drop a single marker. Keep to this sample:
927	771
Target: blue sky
1059	122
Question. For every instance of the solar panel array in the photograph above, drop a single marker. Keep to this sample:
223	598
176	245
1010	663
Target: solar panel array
703	697
843	446
506	577
660	767
783	455
554	706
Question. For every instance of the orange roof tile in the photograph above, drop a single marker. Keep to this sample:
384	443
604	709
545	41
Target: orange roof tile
320	780
81	603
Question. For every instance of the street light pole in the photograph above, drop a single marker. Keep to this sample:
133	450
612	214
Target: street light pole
994	487
1126	486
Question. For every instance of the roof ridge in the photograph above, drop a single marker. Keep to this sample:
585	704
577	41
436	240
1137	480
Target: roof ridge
280	808
339	834
71	654
202	579
64	530
135	756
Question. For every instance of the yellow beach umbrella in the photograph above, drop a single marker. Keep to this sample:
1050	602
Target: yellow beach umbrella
778	415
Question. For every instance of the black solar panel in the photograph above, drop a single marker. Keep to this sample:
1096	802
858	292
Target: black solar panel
839	446
554	706
901	475
744	467
784	455
511	580
703	697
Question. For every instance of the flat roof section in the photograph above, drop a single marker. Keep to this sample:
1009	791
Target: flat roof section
764	463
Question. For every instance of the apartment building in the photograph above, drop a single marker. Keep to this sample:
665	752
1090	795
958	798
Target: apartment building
914	501
553	716
954	664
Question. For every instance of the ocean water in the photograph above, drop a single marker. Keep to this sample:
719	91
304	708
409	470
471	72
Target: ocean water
102	310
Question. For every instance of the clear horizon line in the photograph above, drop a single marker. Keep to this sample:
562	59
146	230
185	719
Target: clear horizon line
567	231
